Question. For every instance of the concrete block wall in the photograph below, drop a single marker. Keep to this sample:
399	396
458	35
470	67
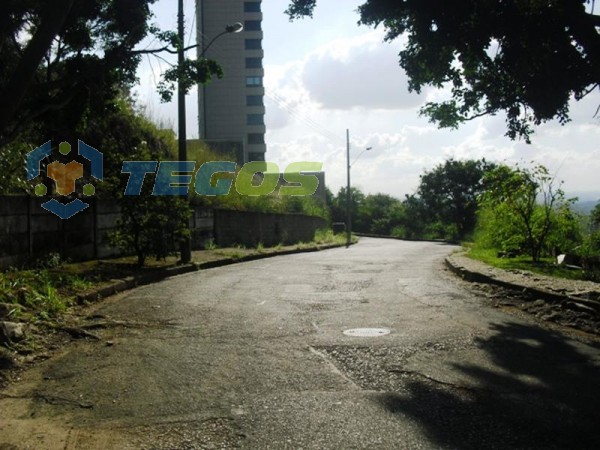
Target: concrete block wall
27	231
249	228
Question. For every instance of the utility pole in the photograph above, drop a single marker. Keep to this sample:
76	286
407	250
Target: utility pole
348	195
186	244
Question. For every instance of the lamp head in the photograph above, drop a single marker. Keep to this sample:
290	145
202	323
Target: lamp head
368	148
234	28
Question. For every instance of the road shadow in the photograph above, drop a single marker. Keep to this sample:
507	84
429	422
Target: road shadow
542	393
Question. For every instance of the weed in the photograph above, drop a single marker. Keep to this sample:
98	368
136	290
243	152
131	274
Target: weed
49	261
210	244
327	236
45	292
544	266
80	284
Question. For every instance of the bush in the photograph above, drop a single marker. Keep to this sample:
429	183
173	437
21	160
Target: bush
524	210
151	226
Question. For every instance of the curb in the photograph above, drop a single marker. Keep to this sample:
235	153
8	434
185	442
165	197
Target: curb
478	277
382	236
128	283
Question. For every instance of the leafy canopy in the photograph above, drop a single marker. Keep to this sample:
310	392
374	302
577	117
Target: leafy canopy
524	57
64	61
450	192
523	207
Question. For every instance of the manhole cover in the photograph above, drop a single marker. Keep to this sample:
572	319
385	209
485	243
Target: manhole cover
367	332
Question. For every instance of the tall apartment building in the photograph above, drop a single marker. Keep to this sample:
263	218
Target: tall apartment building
231	110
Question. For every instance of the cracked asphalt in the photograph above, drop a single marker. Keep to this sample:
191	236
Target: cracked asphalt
253	355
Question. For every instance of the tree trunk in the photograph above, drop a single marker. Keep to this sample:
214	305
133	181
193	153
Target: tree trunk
52	22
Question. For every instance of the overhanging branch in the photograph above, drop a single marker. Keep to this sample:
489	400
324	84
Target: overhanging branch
594	19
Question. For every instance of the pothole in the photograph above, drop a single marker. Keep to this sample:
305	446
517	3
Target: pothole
367	332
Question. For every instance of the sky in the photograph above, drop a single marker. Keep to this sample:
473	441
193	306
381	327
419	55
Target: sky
326	75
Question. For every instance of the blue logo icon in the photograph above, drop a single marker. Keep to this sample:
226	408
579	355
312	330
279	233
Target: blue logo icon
65	176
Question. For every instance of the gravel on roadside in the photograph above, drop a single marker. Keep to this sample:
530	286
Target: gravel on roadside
570	303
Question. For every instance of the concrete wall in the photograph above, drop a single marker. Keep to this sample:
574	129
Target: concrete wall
28	231
250	228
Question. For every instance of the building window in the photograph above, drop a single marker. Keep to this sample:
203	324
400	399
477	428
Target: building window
253	156
252	25
254	81
251	6
255	119
256	138
254	100
253	44
253	63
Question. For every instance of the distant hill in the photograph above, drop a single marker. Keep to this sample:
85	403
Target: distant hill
585	207
586	200
584	196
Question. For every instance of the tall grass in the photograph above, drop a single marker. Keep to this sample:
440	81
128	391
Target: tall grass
44	292
545	266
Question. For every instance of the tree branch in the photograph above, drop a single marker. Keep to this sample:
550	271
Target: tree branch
14	93
593	19
166	48
476	116
39	111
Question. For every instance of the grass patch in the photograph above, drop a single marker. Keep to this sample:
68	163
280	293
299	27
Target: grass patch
546	266
327	236
43	293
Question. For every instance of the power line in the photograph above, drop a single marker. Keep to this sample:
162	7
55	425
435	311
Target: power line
294	112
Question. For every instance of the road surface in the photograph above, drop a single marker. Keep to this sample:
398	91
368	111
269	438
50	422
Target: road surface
254	355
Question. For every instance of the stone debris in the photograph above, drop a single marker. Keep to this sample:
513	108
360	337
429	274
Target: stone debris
11	332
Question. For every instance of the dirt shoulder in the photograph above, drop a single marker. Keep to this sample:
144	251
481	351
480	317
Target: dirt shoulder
570	303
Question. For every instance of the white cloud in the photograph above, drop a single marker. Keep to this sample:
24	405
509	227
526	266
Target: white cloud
325	75
361	73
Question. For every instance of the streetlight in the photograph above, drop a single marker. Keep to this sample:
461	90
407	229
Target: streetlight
348	194
186	244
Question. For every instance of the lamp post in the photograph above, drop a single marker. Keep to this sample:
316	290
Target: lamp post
348	192
186	244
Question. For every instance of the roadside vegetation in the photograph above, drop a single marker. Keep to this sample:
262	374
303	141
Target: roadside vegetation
42	304
46	291
39	293
150	226
512	217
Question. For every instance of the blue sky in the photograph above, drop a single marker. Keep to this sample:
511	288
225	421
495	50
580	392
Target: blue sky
327	74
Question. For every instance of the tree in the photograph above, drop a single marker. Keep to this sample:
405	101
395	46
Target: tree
450	191
595	218
65	61
523	207
591	242
374	214
149	225
410	221
526	58
339	206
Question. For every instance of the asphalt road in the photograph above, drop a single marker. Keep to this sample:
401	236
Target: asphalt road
254	356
